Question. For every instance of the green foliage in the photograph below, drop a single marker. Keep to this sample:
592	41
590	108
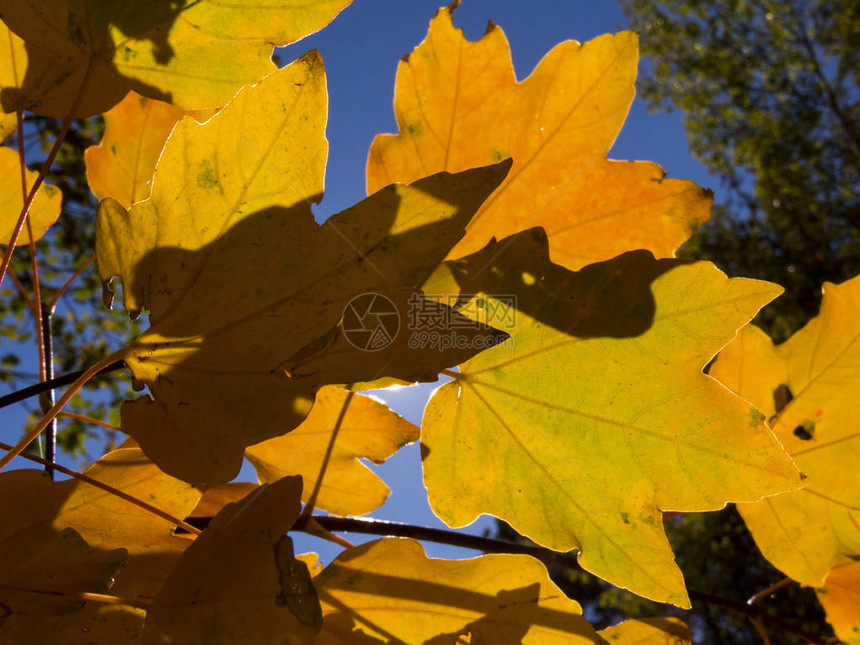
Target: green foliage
770	96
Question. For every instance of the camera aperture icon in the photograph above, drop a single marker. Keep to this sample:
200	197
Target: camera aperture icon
370	322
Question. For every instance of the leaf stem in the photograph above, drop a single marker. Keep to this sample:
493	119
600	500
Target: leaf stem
451	373
52	413
110	489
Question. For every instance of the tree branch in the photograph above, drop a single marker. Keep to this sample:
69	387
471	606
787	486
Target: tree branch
52	384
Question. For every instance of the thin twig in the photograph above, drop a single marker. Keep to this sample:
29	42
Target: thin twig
52	384
47	399
86	419
764	593
49	160
110	489
67	395
70	281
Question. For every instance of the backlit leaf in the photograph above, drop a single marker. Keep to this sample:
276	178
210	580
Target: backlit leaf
368	430
121	166
193	54
648	631
239	581
43	212
105	522
807	387
458	106
390	591
596	415
242	285
13	66
840	597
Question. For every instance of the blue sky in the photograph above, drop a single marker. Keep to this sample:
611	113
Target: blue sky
361	49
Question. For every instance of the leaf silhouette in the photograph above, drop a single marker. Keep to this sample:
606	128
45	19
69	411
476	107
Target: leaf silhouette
235	293
458	106
367	591
804	532
840	597
45	208
579	438
367	430
121	166
648	631
239	581
195	54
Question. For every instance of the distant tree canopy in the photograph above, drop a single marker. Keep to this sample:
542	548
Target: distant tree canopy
770	95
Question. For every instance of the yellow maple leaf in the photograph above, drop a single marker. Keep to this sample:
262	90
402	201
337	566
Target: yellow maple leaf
368	429
596	415
44	210
390	590
840	597
243	286
121	166
648	631
239	581
195	54
458	106
34	505
806	387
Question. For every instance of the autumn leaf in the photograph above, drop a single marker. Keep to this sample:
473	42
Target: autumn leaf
239	581
596	415
458	105
806	387
32	504
121	166
13	66
388	590
648	631
84	56
217	354
368	430
840	597
46	205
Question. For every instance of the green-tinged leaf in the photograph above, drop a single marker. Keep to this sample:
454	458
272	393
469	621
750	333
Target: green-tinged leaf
807	387
390	591
88	54
596	415
648	631
44	210
239	581
365	429
458	106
